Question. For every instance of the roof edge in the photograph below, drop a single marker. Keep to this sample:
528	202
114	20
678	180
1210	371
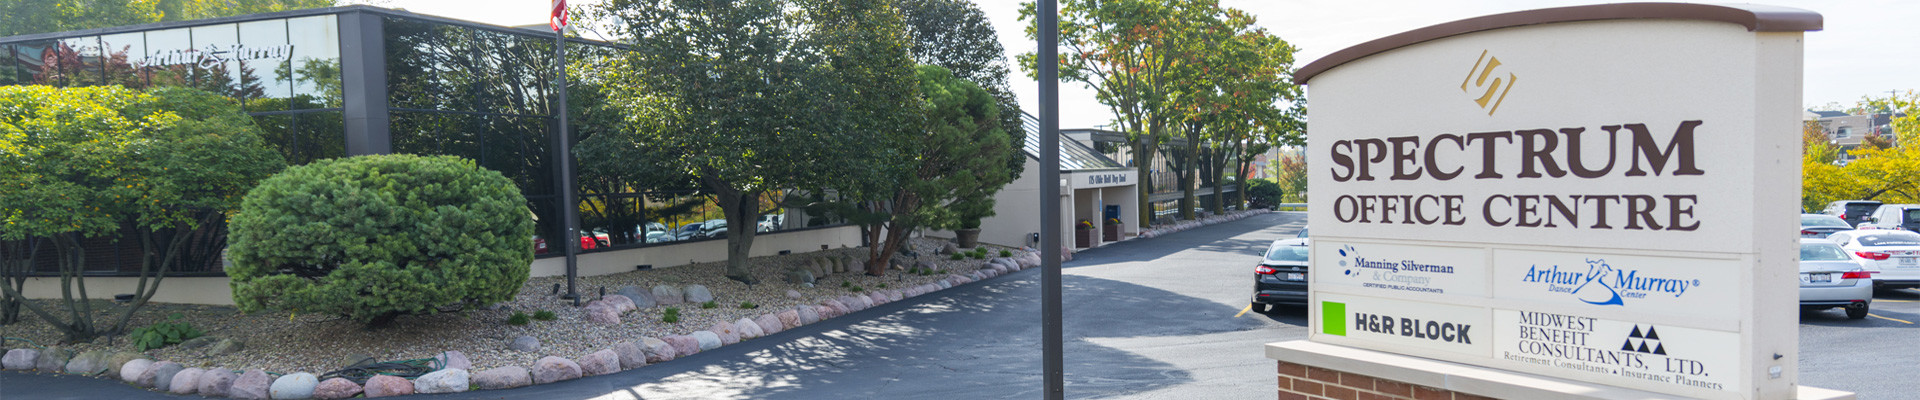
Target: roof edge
1757	18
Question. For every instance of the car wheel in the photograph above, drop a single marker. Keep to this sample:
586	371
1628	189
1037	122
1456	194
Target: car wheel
1857	313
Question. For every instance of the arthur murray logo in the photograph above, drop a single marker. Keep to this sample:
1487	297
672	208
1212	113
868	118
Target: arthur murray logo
1407	275
1602	284
1477	78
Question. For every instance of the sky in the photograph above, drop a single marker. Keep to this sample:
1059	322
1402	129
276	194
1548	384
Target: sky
1866	49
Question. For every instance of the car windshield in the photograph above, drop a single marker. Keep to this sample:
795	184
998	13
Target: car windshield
1821	220
1891	239
1287	253
1861	208
1303	233
1822	252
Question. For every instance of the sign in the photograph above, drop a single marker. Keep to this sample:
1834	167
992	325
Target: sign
1099	179
1598	193
217	54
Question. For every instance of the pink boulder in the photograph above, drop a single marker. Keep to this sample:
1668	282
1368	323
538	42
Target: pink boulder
788	319
548	370
599	363
683	345
749	329
336	388
658	351
387	385
726	331
606	316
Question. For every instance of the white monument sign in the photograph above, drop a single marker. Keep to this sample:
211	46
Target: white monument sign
1597	193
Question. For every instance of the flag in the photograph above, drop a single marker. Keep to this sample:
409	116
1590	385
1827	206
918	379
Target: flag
559	18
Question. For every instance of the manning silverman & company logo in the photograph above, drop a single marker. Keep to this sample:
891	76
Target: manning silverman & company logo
1405	274
1603	284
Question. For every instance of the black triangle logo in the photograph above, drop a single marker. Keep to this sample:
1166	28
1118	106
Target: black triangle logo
1651	334
1628	346
1643	348
1636	332
1660	349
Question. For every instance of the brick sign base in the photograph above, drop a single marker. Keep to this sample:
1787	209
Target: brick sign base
1300	382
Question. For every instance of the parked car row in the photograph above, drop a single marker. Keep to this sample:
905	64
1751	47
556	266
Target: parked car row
655	232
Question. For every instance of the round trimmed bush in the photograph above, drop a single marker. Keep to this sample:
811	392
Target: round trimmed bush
375	237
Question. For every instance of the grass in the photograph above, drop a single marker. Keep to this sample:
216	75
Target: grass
518	318
672	315
956	256
1005	253
748	305
709	304
857	289
544	315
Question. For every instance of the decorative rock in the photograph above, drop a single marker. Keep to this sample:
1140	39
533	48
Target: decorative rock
861	302
388	385
726	332
944	284
355	358
894	295
949	248
120	359
877	299
601	306
214	382
793	294
53	359
187	381
698	294
658	351
790	319
808	315
834	309
552	369
924	264
630	355
683	345
341	388
771	323
88	363
451	380
856	266
605	316
799	276
453	359
748	329
502	378
253	385
839	264
20	359
824	311
225	347
621	304
298	386
525	343
640	297
706	339
132	371
198	342
668	295
599	363
163	373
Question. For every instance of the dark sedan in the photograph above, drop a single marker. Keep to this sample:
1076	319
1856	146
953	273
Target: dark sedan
1281	278
1818	226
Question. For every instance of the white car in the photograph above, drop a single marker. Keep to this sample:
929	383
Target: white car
1830	277
1894	256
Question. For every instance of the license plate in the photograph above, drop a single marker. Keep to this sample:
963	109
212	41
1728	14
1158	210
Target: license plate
1296	276
1820	278
1909	261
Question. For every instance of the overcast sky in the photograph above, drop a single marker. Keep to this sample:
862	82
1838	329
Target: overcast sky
1866	49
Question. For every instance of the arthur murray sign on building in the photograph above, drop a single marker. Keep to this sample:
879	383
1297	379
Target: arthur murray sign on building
1596	193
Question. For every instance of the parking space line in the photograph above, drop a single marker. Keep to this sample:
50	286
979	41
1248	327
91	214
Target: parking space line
1870	315
1894	301
1249	307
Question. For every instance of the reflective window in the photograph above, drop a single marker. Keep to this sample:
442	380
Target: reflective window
170	58
315	75
262	59
125	54
9	65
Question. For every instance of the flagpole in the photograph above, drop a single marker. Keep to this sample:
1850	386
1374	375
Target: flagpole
569	205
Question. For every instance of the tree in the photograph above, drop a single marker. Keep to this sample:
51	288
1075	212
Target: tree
169	164
1232	99
956	35
40	16
1130	52
1290	171
1887	172
744	98
956	165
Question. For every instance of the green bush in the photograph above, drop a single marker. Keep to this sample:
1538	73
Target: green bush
671	315
375	237
748	305
544	315
709	304
956	256
857	289
518	318
163	334
1005	253
1262	193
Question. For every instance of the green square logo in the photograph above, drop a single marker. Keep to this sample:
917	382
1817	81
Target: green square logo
1333	318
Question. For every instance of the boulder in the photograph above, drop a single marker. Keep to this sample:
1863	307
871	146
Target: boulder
794	294
163	373
698	294
630	355
748	329
924	264
296	386
20	358
603	316
839	264
600	306
621	304
799	276
856	265
658	351
53	359
949	248
214	382
771	323
726	331
683	345
452	380
453	359
876	298
88	363
524	343
808	315
944	284
225	347
138	372
387	385
861	302
503	378
186	382
706	340
253	385
198	342
640	297
552	369
120	359
668	295
824	311
341	388
894	295
599	363
834	309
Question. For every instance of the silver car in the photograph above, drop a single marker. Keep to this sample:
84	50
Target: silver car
1831	277
1818	226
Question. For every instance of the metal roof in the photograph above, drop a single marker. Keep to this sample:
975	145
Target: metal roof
1073	155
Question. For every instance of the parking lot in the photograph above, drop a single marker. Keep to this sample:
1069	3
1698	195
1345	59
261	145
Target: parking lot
1874	357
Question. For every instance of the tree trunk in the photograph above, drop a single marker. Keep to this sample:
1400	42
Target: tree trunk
1189	171
1143	150
740	207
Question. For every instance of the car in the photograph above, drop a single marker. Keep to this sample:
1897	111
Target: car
1281	277
1302	234
770	223
1818	226
712	229
1894	256
687	231
1830	277
1895	217
1853	211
